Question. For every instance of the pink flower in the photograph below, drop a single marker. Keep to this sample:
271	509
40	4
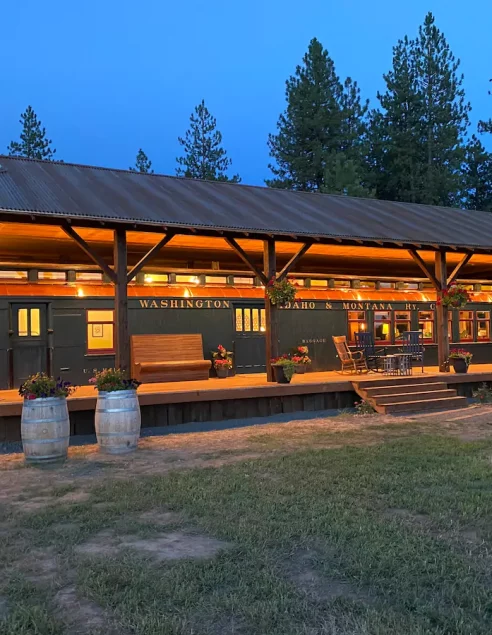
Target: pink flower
92	380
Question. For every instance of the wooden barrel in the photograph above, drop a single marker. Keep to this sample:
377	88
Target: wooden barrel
45	429
118	421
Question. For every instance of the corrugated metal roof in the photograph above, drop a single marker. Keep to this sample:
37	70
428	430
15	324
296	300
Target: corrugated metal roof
101	194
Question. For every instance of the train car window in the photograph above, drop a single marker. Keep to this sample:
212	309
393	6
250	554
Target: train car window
356	323
402	323
382	327
100	331
466	326
426	325
483	326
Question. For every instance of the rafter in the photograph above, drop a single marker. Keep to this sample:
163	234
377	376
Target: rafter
246	259
148	256
420	262
293	261
89	251
462	263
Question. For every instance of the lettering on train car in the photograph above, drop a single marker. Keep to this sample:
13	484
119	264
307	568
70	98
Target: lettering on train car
185	304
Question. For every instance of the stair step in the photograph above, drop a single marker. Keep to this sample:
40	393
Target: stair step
391	381
447	403
410	397
398	388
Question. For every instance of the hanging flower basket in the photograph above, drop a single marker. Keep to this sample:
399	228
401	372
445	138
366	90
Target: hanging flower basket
454	297
280	292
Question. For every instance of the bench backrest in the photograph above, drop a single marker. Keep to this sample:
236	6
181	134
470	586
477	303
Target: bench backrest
162	348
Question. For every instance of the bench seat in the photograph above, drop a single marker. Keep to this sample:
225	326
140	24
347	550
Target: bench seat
157	358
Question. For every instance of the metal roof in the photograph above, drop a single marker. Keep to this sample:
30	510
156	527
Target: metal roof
90	193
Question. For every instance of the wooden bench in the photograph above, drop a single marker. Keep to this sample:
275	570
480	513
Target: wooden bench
168	358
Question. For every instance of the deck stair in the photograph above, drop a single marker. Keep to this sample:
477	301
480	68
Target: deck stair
393	395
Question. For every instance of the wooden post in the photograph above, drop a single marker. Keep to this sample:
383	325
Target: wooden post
442	313
122	338
271	310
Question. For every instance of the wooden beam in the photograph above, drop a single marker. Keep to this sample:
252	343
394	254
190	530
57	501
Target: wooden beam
462	263
246	259
293	261
425	269
271	310
442	313
148	256
121	301
89	251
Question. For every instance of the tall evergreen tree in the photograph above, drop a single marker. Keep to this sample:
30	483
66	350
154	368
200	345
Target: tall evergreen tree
418	137
323	117
204	158
33	143
142	163
478	177
485	126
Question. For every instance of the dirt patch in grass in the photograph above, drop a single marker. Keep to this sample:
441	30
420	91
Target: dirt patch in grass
169	546
81	616
4	608
304	570
40	566
159	517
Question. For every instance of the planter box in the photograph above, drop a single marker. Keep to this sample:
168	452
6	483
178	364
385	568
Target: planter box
459	365
279	374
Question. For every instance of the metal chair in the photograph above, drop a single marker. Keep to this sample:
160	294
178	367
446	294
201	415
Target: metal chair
364	342
353	361
413	345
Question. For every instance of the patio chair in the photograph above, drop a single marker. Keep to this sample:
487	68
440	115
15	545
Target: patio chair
355	361
364	342
413	345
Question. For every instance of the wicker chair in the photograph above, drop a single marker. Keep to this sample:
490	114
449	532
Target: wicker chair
354	362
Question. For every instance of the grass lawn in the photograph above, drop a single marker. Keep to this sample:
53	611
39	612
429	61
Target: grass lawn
386	533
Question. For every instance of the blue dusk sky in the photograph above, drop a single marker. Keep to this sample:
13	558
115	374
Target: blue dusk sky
107	77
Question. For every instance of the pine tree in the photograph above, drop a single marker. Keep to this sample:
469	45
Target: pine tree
478	177
417	139
445	115
204	158
33	143
485	126
396	150
142	163
322	118
344	176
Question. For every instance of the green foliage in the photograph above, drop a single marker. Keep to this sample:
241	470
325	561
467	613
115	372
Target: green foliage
204	157
483	393
113	379
323	118
477	171
280	291
287	364
33	143
142	163
417	139
42	386
363	408
485	126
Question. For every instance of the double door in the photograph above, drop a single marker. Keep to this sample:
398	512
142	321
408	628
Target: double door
249	326
28	341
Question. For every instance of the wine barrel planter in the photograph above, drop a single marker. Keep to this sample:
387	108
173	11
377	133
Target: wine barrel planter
117	421
45	429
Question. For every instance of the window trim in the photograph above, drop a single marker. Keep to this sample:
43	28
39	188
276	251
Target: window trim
472	321
407	321
429	340
99	351
482	339
358	321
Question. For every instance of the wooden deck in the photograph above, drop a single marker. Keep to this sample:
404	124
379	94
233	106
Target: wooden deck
243	387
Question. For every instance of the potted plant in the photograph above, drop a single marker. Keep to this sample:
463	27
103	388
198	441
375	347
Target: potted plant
455	296
280	291
118	417
45	426
461	359
301	359
284	369
222	361
222	367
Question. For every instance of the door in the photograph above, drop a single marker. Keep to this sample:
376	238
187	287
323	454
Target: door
29	341
249	325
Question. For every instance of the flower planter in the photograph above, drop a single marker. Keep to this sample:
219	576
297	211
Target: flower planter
459	365
117	421
301	369
45	429
222	373
279	374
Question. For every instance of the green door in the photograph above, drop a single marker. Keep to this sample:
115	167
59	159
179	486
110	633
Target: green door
249	349
29	341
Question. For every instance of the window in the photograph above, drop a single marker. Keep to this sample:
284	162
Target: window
382	327
241	281
483	326
366	284
342	284
100	331
88	276
187	279
250	320
426	325
52	275
156	278
387	285
356	323
402	323
215	280
466	326
28	323
318	283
